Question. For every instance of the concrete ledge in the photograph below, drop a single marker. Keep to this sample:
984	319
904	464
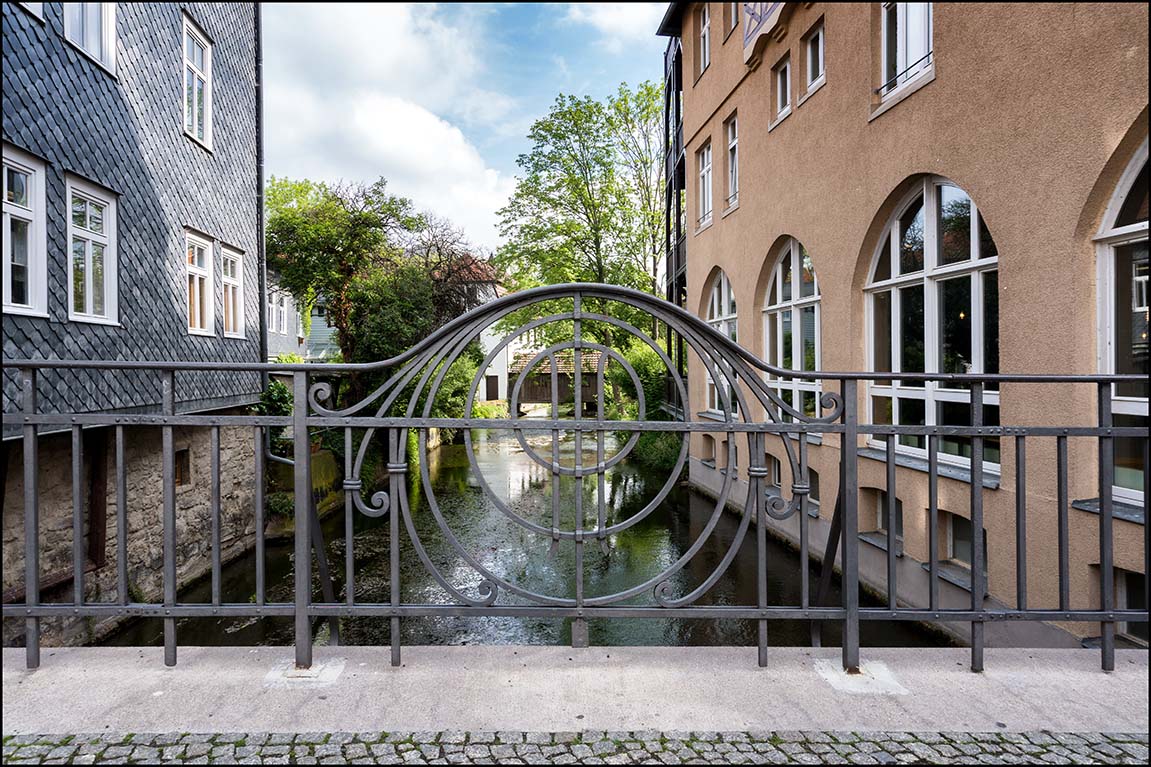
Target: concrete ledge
558	689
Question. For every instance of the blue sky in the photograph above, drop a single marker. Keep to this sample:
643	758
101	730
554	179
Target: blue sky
438	98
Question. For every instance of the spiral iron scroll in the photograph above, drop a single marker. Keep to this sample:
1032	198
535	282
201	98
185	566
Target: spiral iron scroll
419	374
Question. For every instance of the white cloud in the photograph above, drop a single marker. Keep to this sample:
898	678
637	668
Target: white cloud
619	23
356	92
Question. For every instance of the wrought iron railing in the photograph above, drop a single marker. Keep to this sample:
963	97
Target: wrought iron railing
588	319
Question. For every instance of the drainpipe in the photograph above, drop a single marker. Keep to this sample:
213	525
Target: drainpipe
262	255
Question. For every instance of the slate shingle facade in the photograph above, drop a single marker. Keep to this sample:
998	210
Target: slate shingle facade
125	132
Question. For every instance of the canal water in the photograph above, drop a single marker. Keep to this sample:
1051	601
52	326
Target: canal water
527	559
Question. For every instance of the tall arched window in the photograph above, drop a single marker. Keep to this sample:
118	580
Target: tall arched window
791	325
721	315
1124	345
933	307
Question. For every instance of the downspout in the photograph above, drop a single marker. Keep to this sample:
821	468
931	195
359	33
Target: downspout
260	250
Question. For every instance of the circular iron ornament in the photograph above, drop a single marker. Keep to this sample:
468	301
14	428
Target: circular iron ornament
405	400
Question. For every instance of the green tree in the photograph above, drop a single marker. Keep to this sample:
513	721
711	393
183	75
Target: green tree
322	238
635	118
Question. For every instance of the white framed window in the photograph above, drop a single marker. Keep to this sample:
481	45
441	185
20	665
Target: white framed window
91	252
24	233
704	37
233	280
732	131
730	18
1123	276
791	326
907	43
783	88
282	314
723	315
91	27
703	159
933	307
881	514
960	540
201	296
814	47
197	84
271	311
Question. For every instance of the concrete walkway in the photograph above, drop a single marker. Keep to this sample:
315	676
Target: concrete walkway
556	689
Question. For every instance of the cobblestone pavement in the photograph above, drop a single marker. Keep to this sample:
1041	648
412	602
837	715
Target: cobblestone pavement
649	747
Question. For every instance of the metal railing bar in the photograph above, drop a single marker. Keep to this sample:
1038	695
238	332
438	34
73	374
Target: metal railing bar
214	450
325	610
978	575
121	520
1106	529
168	386
303	503
850	526
756	450
78	504
31	519
349	526
579	629
804	503
1063	523
889	515
326	588
259	502
933	520
396	488
1021	522
586	426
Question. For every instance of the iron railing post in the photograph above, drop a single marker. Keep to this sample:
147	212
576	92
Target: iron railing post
31	519
978	575
303	527
850	525
1106	527
168	386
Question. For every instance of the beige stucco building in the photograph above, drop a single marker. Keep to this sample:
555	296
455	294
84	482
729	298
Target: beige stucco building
926	187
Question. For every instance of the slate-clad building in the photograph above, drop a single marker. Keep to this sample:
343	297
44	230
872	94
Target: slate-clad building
131	228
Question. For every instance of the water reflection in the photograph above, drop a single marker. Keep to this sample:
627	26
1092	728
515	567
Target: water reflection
531	561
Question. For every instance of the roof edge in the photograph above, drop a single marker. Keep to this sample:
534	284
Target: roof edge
670	25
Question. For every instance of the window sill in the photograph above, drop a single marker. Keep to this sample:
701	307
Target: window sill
236	336
94	320
1127	512
24	311
708	464
714	415
956	574
730	209
897	96
38	16
780	118
703	227
203	144
915	463
878	539
202	333
109	68
811	89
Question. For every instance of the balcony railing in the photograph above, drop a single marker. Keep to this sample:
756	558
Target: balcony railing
751	414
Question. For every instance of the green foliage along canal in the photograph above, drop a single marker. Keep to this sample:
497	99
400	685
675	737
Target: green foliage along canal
525	559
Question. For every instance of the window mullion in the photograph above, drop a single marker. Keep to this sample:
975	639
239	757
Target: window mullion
977	322
7	275
89	299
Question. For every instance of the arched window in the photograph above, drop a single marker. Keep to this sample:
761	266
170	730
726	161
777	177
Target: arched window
791	325
1123	347
721	315
933	307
